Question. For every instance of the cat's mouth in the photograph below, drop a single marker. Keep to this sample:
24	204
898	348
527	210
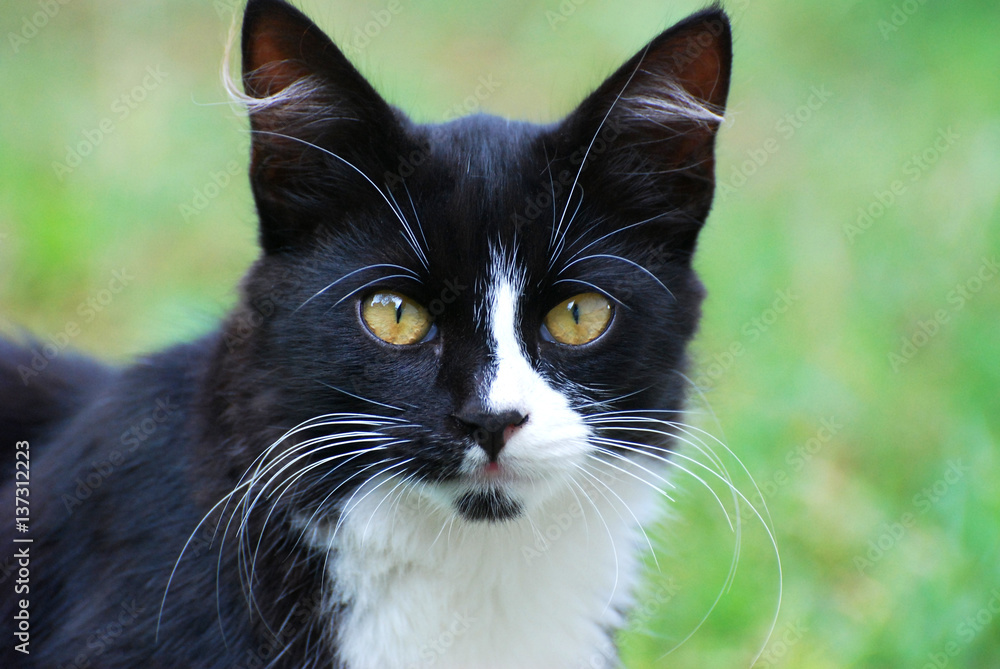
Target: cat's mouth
494	474
486	491
492	492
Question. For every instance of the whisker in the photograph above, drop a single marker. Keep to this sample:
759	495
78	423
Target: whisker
341	159
242	539
561	244
416	217
607	402
245	484
411	275
618	456
347	505
596	288
610	256
688	434
177	562
362	398
288	483
407	232
641	449
611	538
627	507
590	146
366	285
618	230
402	481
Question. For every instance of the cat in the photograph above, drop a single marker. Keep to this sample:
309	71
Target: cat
434	424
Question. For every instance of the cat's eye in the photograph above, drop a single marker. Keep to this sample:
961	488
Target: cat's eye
395	318
580	319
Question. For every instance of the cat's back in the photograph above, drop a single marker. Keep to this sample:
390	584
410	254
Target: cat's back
41	390
110	456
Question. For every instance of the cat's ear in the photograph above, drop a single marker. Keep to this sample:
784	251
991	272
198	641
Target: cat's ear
648	132
319	130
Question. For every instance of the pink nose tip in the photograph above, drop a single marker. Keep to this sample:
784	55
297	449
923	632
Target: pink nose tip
512	429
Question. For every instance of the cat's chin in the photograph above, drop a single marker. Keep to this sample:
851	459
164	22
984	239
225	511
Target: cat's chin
499	492
489	497
492	505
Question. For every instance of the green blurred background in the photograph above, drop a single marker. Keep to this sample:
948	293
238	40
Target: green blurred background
850	350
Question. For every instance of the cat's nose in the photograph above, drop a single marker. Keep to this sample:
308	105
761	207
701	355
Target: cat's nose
491	430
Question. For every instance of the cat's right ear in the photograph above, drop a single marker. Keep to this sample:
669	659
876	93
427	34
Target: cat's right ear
319	129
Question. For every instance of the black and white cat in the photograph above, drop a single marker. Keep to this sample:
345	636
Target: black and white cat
457	337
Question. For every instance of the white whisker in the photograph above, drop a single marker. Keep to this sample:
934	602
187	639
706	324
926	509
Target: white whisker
614	549
395	211
638	524
609	256
410	275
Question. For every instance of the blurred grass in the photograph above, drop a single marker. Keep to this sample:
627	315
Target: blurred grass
785	226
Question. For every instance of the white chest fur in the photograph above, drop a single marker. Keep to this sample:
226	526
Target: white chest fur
423	588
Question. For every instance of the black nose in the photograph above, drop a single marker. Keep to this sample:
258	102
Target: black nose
488	429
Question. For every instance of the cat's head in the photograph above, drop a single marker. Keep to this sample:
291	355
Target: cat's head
485	310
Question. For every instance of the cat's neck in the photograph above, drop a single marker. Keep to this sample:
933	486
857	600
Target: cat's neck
413	586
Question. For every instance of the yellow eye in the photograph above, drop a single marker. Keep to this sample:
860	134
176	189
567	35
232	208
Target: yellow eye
395	318
580	319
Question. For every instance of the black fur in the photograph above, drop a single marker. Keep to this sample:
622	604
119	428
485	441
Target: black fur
126	463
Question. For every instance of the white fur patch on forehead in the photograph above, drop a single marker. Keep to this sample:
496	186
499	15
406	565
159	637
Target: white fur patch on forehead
506	283
553	437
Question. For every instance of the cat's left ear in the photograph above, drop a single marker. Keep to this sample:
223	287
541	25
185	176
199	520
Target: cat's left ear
646	136
321	135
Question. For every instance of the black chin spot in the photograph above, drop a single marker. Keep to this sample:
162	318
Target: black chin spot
488	506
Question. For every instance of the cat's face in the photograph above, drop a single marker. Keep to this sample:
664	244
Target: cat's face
483	310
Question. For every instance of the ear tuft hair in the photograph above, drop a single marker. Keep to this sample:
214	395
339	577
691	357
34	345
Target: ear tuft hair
683	74
651	127
318	127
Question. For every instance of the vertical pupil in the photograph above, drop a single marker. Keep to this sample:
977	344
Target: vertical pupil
399	310
574	309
